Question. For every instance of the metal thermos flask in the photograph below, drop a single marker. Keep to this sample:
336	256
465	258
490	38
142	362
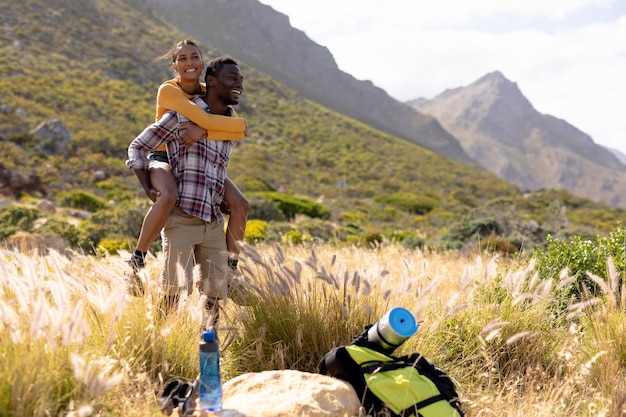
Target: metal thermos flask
396	326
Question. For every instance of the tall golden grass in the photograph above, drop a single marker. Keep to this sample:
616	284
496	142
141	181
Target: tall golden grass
72	342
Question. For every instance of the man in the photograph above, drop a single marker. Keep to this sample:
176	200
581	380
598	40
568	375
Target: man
194	233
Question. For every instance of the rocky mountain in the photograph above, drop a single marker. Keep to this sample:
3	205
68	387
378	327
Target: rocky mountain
264	38
618	154
499	128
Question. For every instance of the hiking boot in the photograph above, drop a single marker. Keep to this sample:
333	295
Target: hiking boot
133	281
137	263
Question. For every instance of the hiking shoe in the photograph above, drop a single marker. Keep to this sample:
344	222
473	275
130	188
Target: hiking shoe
233	263
137	263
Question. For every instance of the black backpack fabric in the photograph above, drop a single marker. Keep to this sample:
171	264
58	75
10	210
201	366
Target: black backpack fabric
398	386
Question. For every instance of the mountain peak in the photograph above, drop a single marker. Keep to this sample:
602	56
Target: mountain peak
495	76
483	107
497	90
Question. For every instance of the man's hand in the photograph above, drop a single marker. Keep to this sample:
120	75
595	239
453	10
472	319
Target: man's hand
193	133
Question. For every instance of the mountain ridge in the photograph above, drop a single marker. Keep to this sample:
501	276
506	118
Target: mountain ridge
500	129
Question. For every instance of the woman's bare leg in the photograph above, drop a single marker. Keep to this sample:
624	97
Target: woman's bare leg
163	181
238	207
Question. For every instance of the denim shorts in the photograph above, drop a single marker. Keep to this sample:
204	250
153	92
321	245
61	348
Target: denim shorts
156	157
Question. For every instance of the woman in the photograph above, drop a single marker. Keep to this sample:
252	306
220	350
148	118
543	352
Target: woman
175	94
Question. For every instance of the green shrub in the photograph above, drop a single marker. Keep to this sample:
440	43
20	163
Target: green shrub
122	222
353	217
466	229
14	219
580	256
316	228
293	237
291	205
408	202
248	183
81	200
115	190
408	239
372	238
76	237
264	209
276	230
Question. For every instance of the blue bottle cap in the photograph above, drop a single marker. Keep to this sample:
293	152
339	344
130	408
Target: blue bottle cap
208	336
402	322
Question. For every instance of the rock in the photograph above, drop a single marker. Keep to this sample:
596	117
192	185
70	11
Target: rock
289	393
54	137
99	175
46	205
14	183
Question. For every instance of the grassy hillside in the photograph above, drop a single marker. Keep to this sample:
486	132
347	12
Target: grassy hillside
88	63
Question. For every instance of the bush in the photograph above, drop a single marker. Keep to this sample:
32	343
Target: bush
408	239
471	228
580	256
112	246
291	205
276	230
408	202
263	209
248	184
14	219
293	237
76	237
123	222
81	200
316	228
255	231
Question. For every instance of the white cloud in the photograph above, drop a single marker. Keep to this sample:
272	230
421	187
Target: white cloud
567	56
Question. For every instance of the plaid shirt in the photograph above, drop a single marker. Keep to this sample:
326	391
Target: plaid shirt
199	169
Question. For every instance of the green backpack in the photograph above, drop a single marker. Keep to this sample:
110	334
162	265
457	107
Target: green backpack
404	386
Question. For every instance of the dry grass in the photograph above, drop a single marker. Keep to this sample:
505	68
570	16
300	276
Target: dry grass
73	342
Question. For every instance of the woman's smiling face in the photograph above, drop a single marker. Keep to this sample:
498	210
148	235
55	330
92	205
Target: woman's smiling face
188	62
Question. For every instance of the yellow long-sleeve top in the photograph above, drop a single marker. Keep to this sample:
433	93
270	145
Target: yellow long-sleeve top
171	97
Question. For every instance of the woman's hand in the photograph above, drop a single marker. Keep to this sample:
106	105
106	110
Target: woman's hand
193	133
153	194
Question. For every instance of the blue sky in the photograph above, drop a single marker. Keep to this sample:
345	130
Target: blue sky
568	57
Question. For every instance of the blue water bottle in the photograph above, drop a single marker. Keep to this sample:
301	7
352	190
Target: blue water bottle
210	393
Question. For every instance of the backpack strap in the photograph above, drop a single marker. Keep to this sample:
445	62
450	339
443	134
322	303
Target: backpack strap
415	408
379	366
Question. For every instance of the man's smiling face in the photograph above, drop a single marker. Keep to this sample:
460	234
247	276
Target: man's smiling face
229	84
